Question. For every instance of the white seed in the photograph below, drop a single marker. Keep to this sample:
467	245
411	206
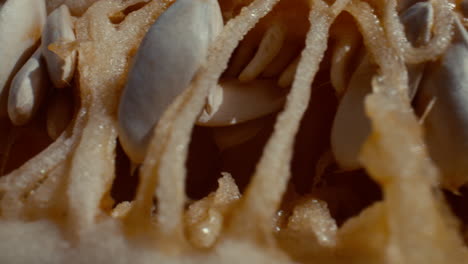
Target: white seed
242	55
345	48
405	4
27	90
21	24
287	77
282	60
351	126
165	63
235	102
418	21
59	113
230	136
269	47
59	28
446	124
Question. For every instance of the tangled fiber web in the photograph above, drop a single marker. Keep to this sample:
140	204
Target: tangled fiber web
57	206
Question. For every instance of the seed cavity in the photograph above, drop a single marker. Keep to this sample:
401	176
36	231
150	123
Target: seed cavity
351	126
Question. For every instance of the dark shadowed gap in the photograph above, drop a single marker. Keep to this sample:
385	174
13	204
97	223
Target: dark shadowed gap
203	164
242	159
313	137
125	184
26	141
347	193
459	205
206	161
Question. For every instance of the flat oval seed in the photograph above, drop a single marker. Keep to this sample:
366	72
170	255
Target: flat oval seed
351	126
165	63
231	136
27	90
59	27
21	24
287	76
346	46
418	21
282	60
269	48
446	124
235	102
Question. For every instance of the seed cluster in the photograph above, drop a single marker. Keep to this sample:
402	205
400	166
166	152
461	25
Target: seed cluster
330	127
27	83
